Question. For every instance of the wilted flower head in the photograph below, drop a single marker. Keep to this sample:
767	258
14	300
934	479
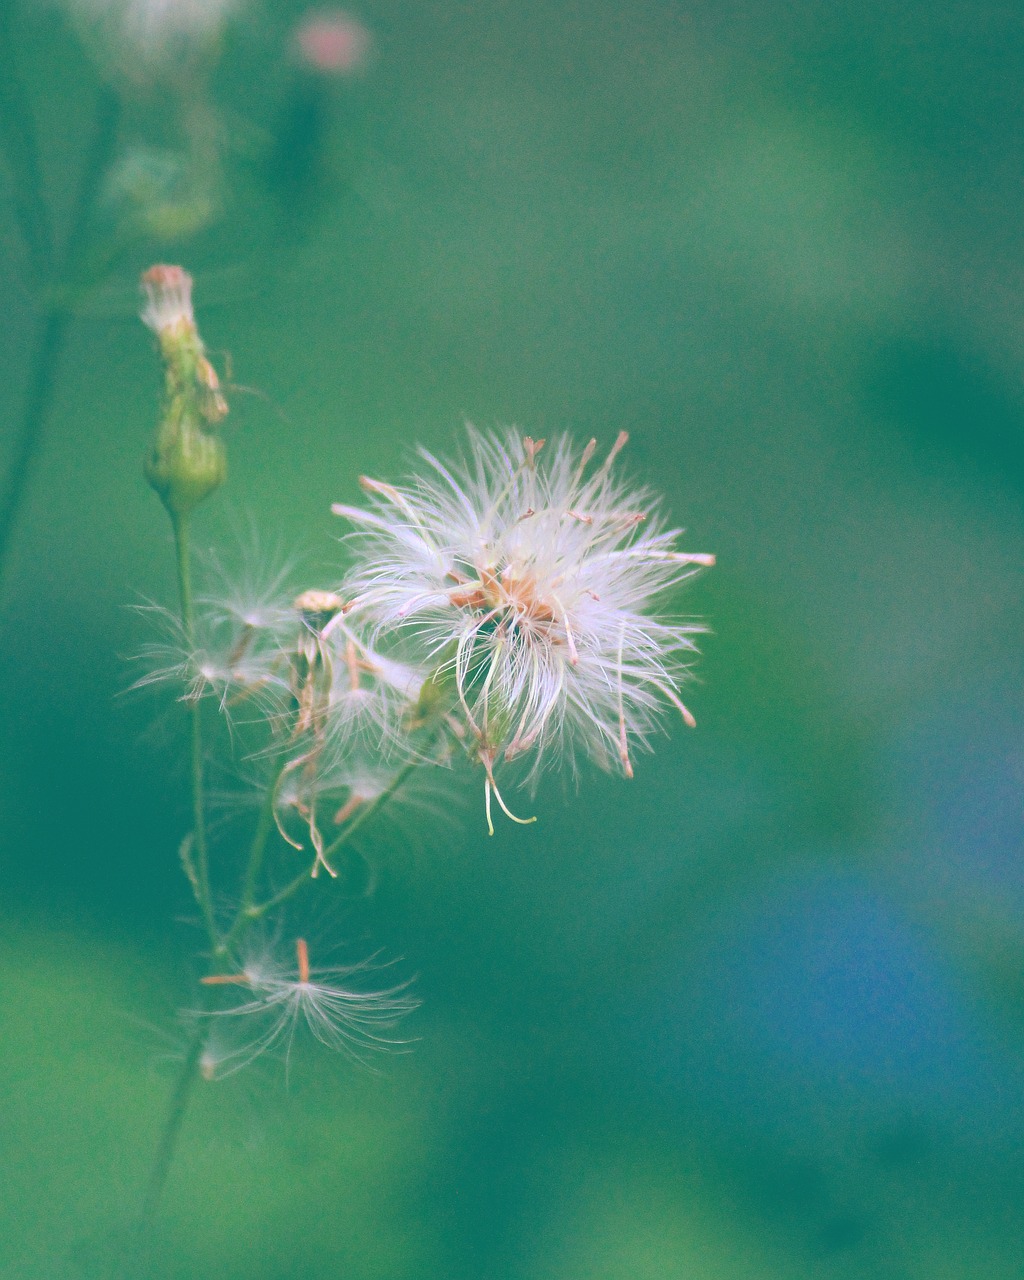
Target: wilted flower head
167	301
345	695
302	690
370	693
532	579
287	996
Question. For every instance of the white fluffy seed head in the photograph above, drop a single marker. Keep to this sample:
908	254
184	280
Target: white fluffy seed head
532	575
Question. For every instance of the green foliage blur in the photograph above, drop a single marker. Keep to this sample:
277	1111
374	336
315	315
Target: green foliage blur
757	1014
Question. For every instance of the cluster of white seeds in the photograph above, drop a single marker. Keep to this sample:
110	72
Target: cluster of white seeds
532	577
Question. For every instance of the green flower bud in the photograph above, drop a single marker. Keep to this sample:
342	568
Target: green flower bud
187	463
188	460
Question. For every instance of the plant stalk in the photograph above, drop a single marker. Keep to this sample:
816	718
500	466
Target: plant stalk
203	892
254	864
171	1131
52	333
255	912
57	314
21	145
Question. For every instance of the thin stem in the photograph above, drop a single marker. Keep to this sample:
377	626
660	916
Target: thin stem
21	144
57	316
188	1076
259	840
168	1142
204	896
183	563
368	810
247	914
97	162
254	864
364	815
52	333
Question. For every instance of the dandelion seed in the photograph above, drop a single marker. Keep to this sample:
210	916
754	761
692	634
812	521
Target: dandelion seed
344	1018
244	641
533	580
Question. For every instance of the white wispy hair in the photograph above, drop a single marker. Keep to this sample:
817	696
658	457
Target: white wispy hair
370	693
243	643
339	1013
293	662
533	579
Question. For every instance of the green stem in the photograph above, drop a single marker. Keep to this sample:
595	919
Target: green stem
259	842
52	333
97	163
171	1131
190	1067
254	864
204	896
56	318
246	915
21	144
363	816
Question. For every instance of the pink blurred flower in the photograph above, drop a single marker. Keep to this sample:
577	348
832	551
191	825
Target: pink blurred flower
332	41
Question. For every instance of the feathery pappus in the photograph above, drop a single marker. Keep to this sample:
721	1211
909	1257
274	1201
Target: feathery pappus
534	577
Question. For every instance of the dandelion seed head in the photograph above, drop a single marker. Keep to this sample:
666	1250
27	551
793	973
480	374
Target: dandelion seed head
533	575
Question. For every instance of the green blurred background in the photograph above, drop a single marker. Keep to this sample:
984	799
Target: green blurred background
758	1013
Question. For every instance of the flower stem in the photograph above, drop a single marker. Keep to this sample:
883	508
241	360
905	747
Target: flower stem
167	1145
254	864
201	886
57	315
21	144
52	333
255	912
246	915
172	1125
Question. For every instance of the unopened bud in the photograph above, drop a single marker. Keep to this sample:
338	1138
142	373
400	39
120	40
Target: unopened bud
188	459
187	463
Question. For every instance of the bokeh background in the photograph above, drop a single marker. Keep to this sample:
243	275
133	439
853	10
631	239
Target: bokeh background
757	1014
